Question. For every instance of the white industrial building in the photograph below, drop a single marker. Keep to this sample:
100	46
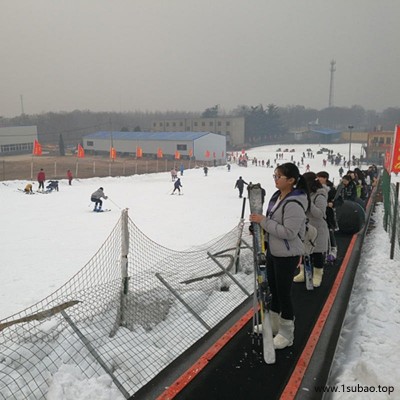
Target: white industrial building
198	143
17	139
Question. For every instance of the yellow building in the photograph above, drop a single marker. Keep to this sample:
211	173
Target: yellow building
377	145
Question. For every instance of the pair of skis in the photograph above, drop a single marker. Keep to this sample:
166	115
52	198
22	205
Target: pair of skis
262	295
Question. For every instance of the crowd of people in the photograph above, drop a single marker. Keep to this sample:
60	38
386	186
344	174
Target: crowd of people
302	200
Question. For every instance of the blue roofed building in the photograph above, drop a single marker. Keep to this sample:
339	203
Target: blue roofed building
319	135
187	143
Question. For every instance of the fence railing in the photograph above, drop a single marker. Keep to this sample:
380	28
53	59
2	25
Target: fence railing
132	310
391	219
27	167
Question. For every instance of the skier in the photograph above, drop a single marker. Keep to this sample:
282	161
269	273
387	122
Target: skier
96	198
341	170
205	169
174	174
228	166
181	168
53	185
41	177
240	185
285	246
177	186
28	188
69	176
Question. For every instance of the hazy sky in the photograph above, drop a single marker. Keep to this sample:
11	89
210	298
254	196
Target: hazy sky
159	55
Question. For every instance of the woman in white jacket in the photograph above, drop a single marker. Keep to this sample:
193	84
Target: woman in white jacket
285	229
317	217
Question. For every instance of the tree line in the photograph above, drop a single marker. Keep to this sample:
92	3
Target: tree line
262	123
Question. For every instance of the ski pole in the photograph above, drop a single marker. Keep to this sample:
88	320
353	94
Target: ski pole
115	203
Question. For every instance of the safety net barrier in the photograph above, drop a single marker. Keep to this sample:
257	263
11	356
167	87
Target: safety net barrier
129	312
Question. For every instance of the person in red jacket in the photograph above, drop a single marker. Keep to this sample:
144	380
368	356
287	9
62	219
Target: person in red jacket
41	177
69	176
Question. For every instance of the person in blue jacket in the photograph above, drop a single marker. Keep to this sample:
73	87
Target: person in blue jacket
285	227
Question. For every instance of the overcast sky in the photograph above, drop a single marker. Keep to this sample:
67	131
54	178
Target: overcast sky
187	55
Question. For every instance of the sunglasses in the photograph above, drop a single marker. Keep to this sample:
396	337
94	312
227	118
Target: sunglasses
276	177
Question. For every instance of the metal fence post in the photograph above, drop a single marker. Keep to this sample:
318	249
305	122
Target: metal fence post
393	238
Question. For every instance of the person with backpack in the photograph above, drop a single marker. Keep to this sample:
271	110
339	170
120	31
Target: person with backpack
285	227
316	215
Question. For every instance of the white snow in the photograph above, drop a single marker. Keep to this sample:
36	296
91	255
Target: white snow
46	239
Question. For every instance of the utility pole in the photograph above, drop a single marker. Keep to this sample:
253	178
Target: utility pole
22	104
333	69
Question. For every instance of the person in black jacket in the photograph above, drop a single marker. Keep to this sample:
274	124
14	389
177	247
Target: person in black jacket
323	177
349	190
240	185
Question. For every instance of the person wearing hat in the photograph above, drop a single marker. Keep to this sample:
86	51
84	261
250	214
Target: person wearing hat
96	198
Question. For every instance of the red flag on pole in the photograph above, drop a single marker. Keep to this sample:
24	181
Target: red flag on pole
191	153
207	154
113	153
395	160
177	155
139	152
81	151
159	153
37	148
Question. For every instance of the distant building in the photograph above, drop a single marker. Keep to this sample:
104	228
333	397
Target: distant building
320	135
377	145
200	144
17	139
233	128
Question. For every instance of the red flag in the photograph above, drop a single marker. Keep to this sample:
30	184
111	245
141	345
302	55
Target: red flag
395	161
159	153
81	151
177	155
37	148
139	152
113	153
191	153
207	154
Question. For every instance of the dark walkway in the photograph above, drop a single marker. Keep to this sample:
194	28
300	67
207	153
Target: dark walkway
238	370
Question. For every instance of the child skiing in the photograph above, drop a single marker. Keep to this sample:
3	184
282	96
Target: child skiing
177	186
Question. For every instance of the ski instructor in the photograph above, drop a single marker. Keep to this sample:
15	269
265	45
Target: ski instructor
285	224
96	198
